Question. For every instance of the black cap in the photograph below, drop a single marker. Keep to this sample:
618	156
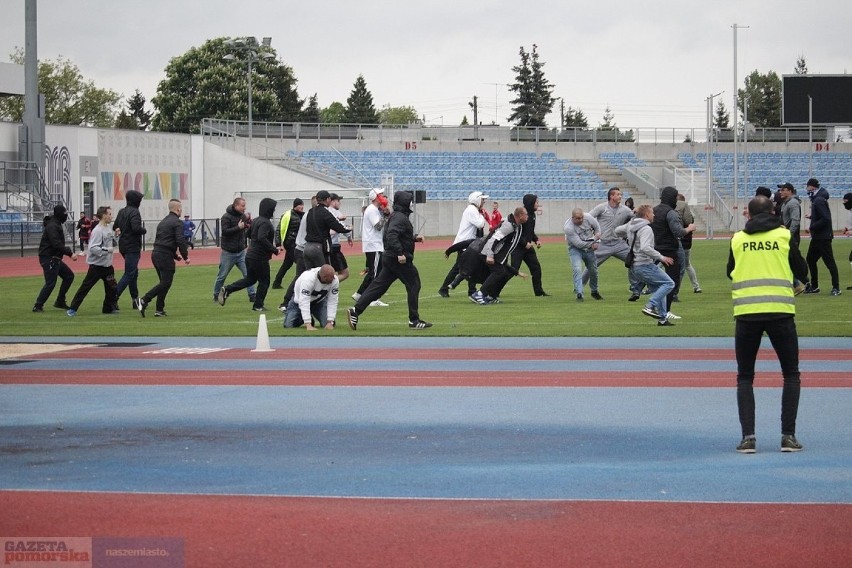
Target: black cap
322	195
764	191
813	182
297	202
787	185
335	197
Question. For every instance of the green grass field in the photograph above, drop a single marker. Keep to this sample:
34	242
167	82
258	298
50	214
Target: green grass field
193	313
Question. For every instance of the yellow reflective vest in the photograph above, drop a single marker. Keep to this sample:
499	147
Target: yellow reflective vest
762	279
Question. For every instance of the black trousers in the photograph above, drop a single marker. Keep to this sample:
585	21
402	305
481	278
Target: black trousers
374	266
497	279
95	273
289	261
782	334
822	249
452	275
257	271
529	256
164	264
54	268
393	270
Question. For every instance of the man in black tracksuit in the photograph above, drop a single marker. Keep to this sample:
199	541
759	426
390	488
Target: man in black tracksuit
525	251
668	230
397	264
51	249
260	251
168	242
129	221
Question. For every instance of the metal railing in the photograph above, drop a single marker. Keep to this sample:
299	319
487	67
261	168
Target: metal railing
414	133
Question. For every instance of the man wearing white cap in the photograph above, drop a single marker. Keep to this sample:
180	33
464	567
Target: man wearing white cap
472	225
372	230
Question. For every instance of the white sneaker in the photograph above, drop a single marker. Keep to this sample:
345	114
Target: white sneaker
356	296
670	316
378	304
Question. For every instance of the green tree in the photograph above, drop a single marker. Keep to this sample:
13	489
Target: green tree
289	104
722	118
575	118
136	106
311	113
125	121
359	105
335	113
68	97
801	66
534	93
763	92
464	121
201	83
398	115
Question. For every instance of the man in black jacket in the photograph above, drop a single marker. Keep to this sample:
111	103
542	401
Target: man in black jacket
397	264
233	227
822	233
288	228
668	230
169	246
496	252
259	253
319	223
130	230
51	249
526	250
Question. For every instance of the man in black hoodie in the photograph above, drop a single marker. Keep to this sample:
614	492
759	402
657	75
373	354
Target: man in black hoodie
130	230
822	233
169	246
529	242
51	249
668	230
259	253
397	264
319	223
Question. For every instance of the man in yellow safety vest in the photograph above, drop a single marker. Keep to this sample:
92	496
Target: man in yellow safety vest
762	267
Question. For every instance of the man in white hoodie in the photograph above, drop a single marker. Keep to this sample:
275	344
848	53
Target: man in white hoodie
640	238
471	226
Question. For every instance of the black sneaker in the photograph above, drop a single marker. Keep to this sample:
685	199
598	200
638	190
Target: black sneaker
597	296
258	309
252	298
160	314
665	323
748	446
61	305
353	319
141	305
223	295
789	443
419	324
276	285
811	290
579	297
444	293
38	309
633	297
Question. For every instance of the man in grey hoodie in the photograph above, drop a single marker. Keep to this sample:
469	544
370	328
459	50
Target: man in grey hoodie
640	238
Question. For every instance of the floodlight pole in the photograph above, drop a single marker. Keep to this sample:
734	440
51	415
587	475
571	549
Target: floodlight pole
736	133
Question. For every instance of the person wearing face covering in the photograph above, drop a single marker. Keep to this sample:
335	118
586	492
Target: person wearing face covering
51	250
668	230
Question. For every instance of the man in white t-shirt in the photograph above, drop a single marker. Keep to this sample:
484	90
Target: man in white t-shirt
372	230
315	297
472	225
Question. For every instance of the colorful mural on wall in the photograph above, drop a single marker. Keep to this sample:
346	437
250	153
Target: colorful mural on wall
157	165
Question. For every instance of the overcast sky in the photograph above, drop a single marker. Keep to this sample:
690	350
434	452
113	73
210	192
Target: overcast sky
652	62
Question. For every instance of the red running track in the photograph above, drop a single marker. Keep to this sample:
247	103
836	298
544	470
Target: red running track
265	531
